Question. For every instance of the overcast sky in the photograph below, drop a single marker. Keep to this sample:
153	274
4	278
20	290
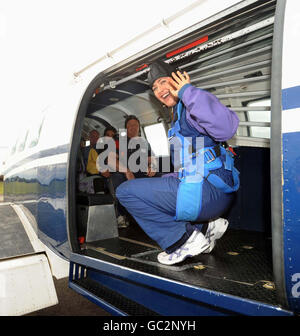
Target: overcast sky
43	42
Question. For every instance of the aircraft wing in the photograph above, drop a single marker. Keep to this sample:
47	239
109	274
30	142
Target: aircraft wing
26	282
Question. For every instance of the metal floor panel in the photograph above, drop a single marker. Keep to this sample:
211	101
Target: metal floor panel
14	240
240	264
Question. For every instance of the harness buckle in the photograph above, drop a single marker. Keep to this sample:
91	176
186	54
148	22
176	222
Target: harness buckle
181	172
211	154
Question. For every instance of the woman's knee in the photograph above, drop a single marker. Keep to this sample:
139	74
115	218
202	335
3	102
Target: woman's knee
124	190
132	189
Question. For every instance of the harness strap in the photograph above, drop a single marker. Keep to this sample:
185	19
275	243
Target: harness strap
221	185
229	165
189	194
212	161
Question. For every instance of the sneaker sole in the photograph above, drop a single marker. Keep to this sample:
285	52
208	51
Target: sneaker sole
196	252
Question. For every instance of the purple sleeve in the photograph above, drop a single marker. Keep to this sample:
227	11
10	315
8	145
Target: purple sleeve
207	114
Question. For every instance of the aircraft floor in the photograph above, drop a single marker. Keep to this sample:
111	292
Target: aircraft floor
14	240
240	264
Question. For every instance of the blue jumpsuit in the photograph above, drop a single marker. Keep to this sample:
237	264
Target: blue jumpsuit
152	202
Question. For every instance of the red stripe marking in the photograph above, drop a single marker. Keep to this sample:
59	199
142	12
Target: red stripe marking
141	67
188	46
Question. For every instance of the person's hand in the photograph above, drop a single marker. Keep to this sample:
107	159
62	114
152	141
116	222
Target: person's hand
105	174
129	175
151	172
178	81
151	166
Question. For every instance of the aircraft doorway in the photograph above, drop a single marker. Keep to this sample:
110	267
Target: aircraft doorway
120	270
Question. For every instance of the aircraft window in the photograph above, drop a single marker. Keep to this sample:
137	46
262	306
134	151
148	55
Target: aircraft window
156	136
34	134
261	117
22	144
13	149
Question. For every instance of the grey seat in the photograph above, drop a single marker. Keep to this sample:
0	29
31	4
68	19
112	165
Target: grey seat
96	216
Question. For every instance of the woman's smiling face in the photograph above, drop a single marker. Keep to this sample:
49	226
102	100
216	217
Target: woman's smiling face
161	89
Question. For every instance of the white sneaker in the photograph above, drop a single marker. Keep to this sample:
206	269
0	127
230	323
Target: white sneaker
215	230
196	244
122	222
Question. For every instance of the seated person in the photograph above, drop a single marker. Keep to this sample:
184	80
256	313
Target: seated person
92	157
91	167
122	168
110	132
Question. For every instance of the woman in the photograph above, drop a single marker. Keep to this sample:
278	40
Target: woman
166	207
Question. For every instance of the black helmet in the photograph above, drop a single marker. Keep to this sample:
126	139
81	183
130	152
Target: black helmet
159	69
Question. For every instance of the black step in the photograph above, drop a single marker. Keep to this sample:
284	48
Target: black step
122	303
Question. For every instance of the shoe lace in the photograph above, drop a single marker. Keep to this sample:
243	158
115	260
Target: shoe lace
209	233
178	252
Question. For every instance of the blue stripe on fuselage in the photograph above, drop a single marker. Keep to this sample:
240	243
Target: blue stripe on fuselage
291	98
291	201
44	153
